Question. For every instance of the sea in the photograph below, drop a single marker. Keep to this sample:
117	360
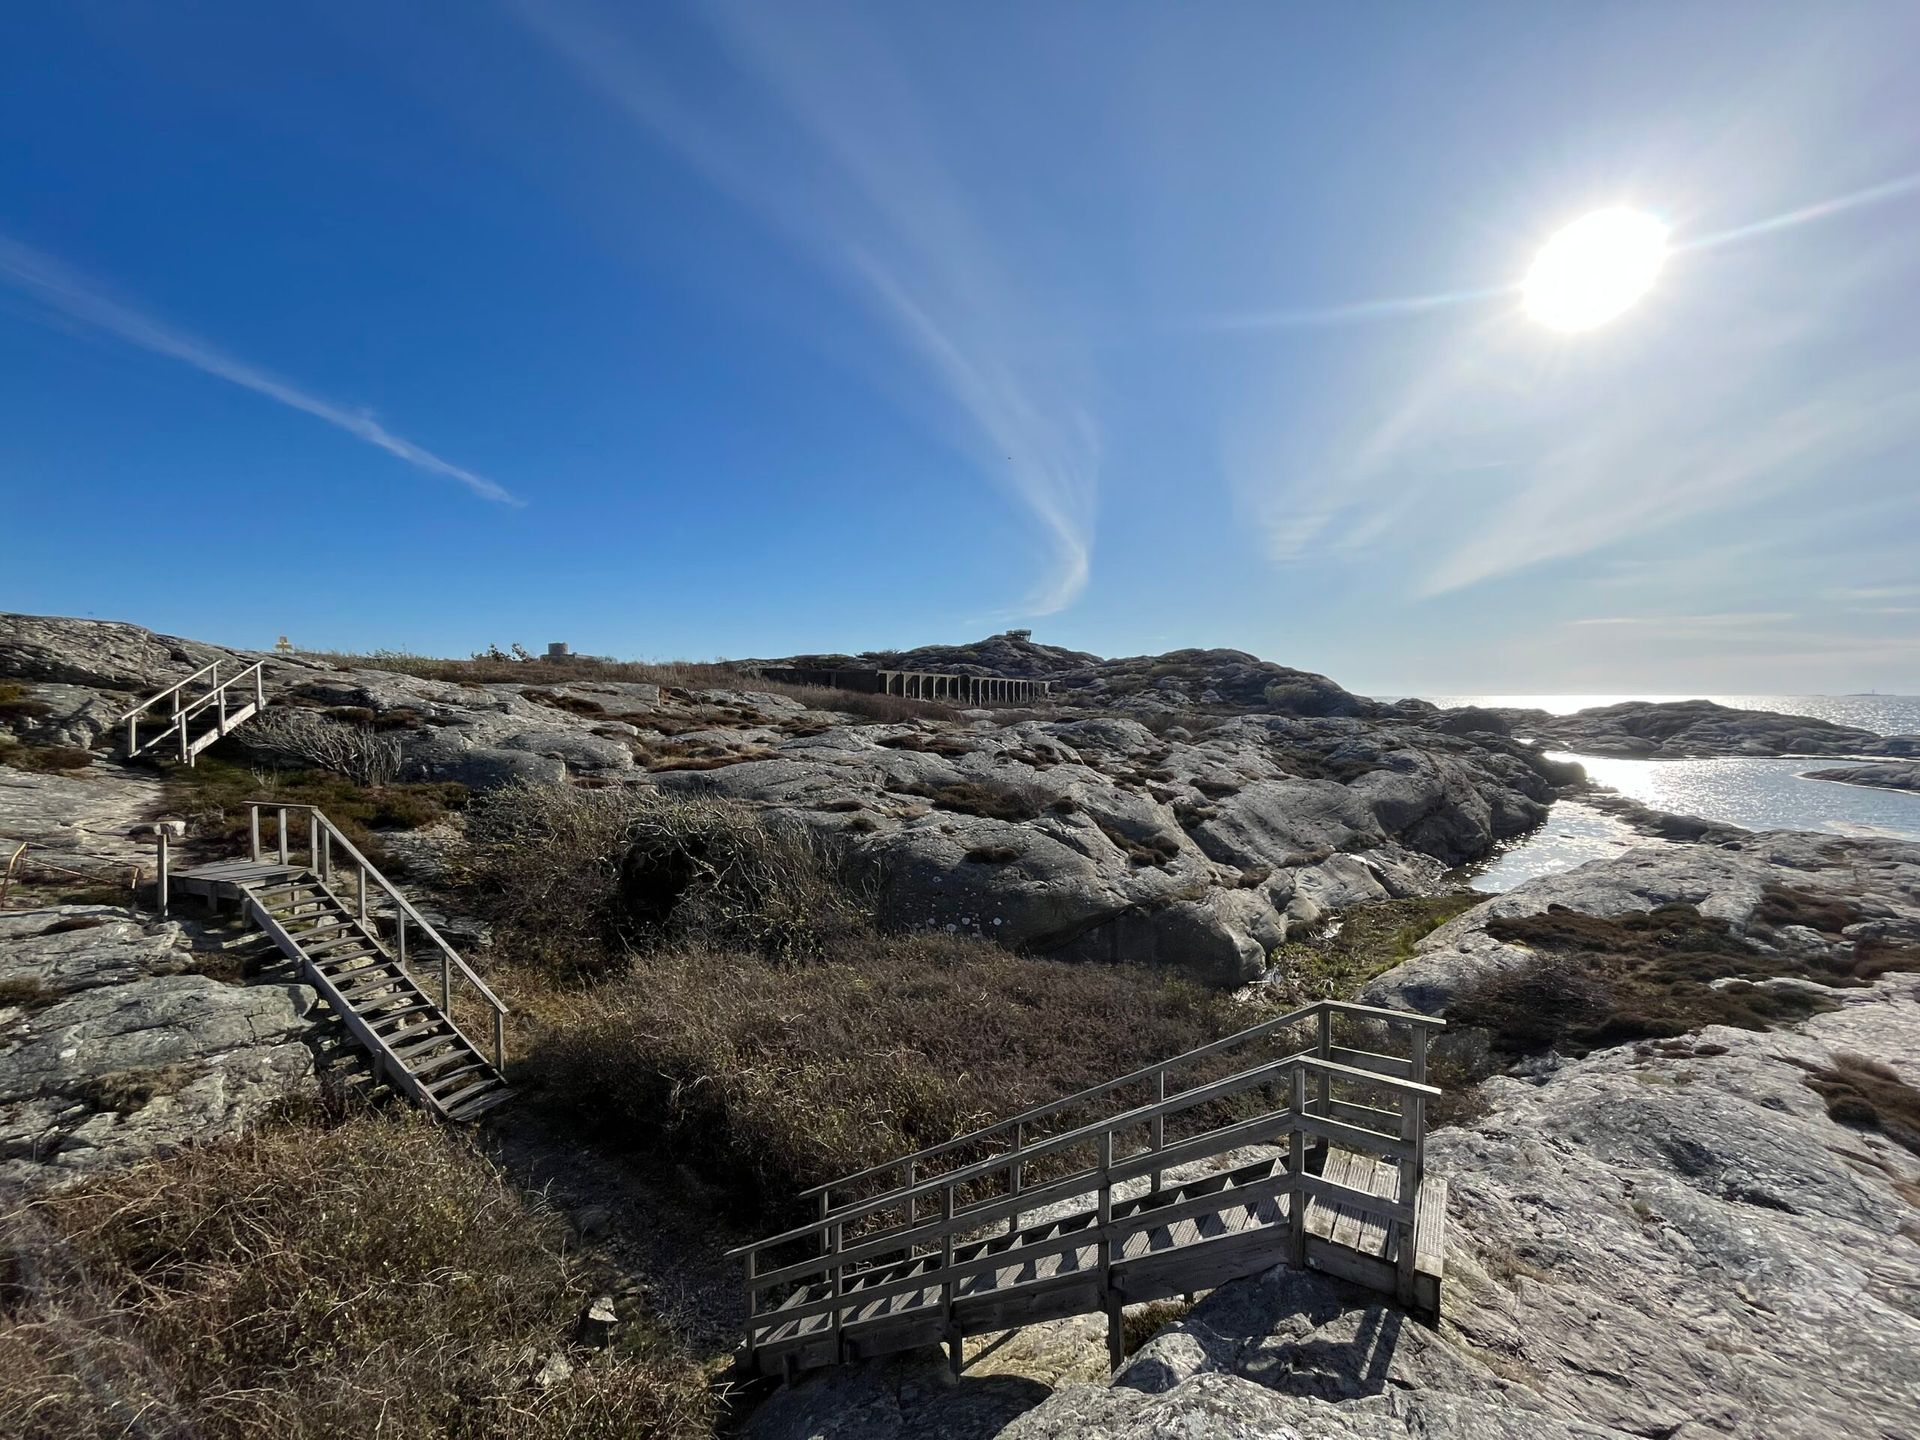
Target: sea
1754	793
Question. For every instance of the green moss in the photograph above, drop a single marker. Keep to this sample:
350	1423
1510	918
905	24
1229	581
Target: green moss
1368	940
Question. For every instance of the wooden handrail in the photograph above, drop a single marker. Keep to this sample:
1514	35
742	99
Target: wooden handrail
1184	1100
400	901
177	719
1265	1028
921	1258
321	856
178	685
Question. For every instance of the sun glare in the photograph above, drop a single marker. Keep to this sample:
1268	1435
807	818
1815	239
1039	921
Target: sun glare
1595	268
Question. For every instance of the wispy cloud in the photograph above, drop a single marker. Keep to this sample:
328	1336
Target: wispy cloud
1874	592
1731	620
828	142
65	292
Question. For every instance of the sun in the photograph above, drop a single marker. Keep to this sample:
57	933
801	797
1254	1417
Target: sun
1595	268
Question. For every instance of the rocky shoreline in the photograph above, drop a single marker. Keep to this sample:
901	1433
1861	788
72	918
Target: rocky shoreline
1695	729
1891	775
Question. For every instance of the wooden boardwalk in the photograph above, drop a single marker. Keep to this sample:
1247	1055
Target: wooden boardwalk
1051	1214
378	964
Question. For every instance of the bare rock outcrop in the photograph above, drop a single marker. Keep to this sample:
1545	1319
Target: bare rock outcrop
112	1049
1084	834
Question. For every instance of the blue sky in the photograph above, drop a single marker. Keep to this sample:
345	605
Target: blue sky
752	328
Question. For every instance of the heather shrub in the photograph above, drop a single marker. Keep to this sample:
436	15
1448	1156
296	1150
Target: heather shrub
576	880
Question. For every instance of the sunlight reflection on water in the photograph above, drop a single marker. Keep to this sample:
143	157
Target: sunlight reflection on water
1757	794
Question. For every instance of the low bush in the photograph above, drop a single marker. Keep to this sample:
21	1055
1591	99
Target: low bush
17	704
575	880
374	1278
1370	940
974	797
294	737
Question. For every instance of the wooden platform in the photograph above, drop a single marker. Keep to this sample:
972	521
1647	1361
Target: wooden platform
877	1275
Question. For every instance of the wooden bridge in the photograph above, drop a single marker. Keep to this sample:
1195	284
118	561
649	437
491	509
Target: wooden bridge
1311	1153
393	980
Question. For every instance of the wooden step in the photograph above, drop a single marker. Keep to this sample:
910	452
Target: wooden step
474	1109
377	977
336	942
471	1093
431	1042
414	1006
341	964
330	924
417	1027
440	1084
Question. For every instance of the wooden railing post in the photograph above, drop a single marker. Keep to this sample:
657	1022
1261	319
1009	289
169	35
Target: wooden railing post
446	984
253	833
1297	1169
281	826
400	936
955	1354
360	891
259	686
830	1246
160	866
1159	1125
753	1305
500	1040
1109	1297
1016	1177
1412	1126
1325	1087
313	841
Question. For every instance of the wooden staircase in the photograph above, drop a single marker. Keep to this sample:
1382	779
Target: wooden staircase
1130	1191
347	930
194	713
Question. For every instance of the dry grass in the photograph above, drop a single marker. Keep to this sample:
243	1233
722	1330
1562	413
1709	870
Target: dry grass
45	759
1867	1093
373	1278
769	1079
213	796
